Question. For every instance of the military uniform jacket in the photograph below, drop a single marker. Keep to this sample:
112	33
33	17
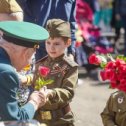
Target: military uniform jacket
64	72
9	83
114	113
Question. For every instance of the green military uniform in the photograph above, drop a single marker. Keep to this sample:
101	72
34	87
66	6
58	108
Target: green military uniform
114	113
23	34
64	72
21	123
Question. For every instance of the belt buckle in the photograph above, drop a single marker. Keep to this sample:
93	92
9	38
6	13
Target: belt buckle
46	115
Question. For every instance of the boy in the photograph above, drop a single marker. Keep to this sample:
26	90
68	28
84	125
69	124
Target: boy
114	113
63	72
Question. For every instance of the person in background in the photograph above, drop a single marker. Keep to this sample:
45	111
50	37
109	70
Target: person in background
120	17
10	10
103	15
39	11
17	45
63	72
85	46
114	113
92	4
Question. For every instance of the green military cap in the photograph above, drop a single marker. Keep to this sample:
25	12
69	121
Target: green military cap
58	28
23	33
9	6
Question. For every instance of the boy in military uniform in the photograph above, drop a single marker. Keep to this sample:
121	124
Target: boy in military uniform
114	113
63	72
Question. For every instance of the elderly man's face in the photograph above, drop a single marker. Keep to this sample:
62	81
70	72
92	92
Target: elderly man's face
25	58
30	55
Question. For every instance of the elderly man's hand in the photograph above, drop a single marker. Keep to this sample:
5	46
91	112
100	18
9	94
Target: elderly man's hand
38	99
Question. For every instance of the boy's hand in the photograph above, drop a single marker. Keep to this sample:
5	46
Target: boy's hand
49	92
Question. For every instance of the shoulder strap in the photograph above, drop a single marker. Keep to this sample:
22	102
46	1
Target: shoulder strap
70	61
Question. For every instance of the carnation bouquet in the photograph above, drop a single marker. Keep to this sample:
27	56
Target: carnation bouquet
114	69
42	79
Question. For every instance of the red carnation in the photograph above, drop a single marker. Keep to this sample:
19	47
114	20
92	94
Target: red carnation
119	62
102	74
109	73
94	59
42	80
122	85
122	68
111	65
44	71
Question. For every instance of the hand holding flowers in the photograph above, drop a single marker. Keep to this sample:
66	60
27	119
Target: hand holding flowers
49	92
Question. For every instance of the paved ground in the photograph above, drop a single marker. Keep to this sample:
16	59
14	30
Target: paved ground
89	100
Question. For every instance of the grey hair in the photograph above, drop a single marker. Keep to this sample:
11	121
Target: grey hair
13	47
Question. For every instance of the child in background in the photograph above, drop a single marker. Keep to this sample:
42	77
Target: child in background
103	15
114	113
63	72
10	10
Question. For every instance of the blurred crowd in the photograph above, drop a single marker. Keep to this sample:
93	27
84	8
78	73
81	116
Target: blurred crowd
98	21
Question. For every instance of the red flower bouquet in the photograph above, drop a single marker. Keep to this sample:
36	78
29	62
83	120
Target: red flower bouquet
42	80
113	69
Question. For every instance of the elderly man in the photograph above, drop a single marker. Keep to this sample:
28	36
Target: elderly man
10	10
17	45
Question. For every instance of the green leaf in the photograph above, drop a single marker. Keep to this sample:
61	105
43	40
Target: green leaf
37	87
120	56
40	82
124	59
102	65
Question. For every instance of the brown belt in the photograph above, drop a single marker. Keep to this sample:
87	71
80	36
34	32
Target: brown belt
54	114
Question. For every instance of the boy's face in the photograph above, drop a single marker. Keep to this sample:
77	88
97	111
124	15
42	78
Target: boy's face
56	46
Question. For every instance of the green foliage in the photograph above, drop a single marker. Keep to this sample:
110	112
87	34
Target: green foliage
40	82
122	57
